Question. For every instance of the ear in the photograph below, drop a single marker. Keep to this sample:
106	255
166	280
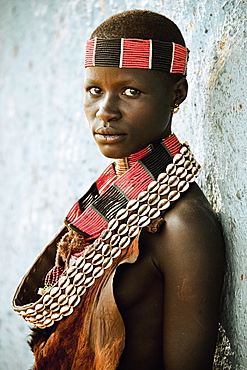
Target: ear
180	91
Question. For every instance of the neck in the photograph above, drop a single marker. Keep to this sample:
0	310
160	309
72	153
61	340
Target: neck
121	166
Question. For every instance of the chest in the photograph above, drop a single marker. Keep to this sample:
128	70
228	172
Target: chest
140	282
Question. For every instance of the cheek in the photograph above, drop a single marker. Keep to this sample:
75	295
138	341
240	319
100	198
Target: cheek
156	113
88	108
162	112
85	106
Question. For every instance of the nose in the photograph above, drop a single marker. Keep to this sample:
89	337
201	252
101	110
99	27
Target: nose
108	109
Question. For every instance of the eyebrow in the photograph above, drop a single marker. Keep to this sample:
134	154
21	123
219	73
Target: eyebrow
124	81
89	80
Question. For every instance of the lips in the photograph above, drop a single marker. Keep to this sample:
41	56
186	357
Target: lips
108	135
107	131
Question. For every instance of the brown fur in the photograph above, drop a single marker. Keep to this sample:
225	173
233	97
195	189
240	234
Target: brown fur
70	243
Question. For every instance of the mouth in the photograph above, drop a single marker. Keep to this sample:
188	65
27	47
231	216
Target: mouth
108	135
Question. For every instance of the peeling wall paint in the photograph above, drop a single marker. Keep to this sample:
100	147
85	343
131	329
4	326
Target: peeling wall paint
48	158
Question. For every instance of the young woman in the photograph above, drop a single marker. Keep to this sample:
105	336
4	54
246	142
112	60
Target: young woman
139	266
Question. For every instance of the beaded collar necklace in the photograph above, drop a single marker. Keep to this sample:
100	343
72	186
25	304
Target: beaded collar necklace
109	194
108	218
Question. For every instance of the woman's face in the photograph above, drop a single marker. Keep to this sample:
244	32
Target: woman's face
127	109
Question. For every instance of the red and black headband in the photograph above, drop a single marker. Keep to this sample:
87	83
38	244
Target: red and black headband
137	53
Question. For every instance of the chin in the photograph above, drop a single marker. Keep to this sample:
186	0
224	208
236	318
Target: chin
113	154
109	151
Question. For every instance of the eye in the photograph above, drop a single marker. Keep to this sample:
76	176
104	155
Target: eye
130	91
95	91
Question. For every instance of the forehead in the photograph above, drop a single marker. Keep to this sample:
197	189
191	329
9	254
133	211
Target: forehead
115	75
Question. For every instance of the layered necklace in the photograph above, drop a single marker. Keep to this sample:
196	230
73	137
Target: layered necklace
131	194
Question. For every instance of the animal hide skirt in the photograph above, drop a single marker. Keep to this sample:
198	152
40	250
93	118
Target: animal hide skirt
93	336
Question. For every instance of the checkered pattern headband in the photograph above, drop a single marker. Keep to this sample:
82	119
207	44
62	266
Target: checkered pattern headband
137	53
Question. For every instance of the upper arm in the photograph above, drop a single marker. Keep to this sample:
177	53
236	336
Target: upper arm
191	257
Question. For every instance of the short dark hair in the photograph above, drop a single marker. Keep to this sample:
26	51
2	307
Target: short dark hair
142	24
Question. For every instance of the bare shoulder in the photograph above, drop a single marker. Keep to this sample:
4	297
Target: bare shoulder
189	251
190	227
193	211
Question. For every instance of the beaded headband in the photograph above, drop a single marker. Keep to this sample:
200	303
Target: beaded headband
137	53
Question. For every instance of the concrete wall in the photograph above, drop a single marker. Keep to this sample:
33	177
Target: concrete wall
48	158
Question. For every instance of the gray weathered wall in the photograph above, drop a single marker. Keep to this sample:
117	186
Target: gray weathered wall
48	158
